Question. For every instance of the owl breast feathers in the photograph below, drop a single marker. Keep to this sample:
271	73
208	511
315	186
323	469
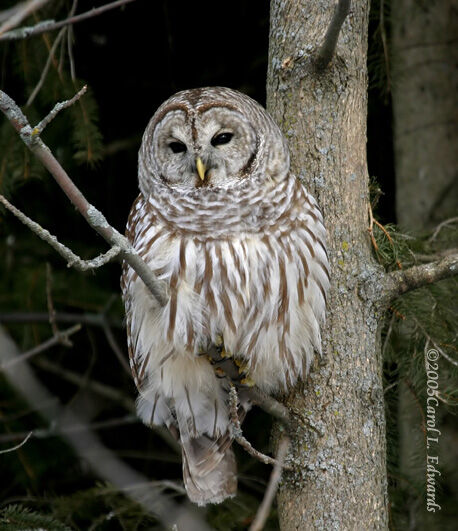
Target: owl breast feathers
239	245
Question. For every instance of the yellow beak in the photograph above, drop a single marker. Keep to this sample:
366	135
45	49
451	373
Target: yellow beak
201	169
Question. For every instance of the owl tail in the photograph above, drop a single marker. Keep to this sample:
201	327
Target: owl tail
209	469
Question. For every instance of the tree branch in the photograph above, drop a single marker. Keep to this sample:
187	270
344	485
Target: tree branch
50	25
264	508
54	340
327	48
238	434
67	254
88	447
19	13
399	282
91	319
31	138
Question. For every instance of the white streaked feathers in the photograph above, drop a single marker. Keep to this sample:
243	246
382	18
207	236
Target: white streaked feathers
246	262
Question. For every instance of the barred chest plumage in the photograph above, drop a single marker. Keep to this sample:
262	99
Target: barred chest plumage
256	281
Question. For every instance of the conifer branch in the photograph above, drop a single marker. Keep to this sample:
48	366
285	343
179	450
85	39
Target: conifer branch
31	138
399	282
50	25
328	46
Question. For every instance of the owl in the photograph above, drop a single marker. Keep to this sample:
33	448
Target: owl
239	247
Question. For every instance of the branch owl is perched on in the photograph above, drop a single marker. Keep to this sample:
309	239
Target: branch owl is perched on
240	245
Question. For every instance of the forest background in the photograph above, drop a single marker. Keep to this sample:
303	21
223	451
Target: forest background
132	59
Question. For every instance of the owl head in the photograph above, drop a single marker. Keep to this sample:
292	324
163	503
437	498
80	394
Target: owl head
211	138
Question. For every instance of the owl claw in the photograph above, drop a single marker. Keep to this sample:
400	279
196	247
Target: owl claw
248	382
218	341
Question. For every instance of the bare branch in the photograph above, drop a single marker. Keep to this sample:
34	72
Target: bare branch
399	282
116	349
445	223
91	319
56	110
327	48
19	13
51	311
93	216
237	431
50	25
271	406
275	476
44	73
90	449
435	345
42	347
14	448
71	258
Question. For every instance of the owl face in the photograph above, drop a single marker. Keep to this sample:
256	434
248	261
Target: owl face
211	138
215	149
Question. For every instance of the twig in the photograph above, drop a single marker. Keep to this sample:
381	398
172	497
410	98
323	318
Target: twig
385	45
52	312
19	13
237	431
50	25
441	226
71	258
327	48
370	229
41	348
56	110
70	34
91	319
90	449
271	406
399	282
116	349
94	217
44	73
264	509
14	448
96	387
435	345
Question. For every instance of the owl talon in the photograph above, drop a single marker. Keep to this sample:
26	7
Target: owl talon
248	382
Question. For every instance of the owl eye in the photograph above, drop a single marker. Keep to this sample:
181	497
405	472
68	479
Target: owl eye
222	138
177	147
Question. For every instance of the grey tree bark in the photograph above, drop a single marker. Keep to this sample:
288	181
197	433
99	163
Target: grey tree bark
338	448
424	56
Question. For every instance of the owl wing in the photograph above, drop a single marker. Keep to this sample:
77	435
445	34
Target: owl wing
196	416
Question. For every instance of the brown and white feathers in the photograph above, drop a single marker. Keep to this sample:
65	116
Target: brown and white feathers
240	244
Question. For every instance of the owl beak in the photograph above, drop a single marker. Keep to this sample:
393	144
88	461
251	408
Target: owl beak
201	169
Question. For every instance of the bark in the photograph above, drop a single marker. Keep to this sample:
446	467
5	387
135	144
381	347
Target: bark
425	87
338	445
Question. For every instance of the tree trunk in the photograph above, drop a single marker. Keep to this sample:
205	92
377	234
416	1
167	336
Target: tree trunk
338	449
425	84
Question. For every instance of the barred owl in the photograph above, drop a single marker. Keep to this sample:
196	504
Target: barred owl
239	244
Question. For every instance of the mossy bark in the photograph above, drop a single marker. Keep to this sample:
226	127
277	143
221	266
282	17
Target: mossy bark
338	448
